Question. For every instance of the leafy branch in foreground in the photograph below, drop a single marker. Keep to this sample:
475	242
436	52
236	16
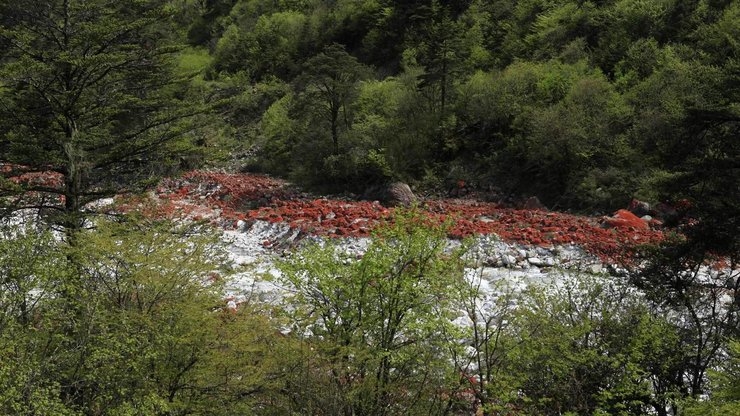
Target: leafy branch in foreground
375	325
126	321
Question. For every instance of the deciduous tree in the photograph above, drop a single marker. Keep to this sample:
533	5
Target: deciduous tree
377	323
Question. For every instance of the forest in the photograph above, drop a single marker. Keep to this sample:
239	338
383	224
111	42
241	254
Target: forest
585	105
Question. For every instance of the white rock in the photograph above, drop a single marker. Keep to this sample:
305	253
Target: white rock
508	260
542	262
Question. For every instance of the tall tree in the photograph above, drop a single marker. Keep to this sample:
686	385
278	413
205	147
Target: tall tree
330	81
437	46
89	95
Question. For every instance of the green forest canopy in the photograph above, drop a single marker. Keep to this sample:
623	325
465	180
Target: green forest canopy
583	104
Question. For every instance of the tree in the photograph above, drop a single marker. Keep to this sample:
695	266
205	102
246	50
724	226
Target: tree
574	140
588	345
330	80
376	324
269	49
89	94
436	47
32	270
695	274
557	27
490	338
135	324
321	147
549	129
725	381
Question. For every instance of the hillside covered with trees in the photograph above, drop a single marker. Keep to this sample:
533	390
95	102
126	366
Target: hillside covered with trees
583	104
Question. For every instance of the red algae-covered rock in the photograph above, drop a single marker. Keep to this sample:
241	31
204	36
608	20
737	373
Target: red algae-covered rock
227	200
624	218
225	193
23	175
326	217
227	190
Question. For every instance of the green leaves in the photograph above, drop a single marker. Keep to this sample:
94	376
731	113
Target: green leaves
586	344
126	322
90	93
378	320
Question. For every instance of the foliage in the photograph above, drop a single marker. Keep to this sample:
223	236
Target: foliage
90	94
329	83
725	398
270	48
310	135
374	325
590	346
581	344
125	322
574	102
696	276
584	104
33	270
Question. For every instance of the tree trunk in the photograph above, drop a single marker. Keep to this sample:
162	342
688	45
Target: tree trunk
72	187
335	129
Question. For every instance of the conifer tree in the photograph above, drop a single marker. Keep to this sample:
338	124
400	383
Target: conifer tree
88	92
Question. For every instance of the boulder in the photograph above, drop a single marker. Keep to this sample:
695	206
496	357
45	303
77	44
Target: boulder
533	203
457	189
392	194
624	218
400	194
667	213
639	208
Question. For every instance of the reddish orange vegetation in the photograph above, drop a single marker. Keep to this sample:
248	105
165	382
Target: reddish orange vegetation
543	228
334	218
232	194
33	185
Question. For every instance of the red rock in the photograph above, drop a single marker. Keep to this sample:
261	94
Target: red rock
228	193
624	218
